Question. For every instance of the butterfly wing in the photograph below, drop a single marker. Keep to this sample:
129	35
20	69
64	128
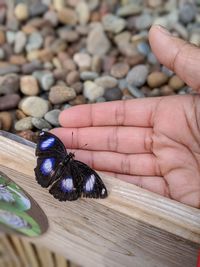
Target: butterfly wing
92	185
51	152
69	185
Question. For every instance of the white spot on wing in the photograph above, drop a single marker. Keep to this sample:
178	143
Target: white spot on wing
47	166
90	183
67	184
47	143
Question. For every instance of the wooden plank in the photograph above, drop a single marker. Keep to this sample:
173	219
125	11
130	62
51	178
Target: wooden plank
60	261
132	227
45	257
18	246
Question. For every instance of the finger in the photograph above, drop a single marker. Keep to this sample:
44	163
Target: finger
182	57
117	139
132	164
136	112
154	184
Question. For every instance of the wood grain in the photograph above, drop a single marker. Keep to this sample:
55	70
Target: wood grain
132	227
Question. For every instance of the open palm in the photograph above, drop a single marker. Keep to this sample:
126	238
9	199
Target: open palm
154	142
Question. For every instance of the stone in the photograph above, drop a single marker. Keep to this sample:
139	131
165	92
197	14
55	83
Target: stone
9	84
73	77
106	82
58	4
45	78
88	75
2	37
129	9
96	64
10	68
83	12
2	54
34	106
29	68
35	41
69	64
8	102
78	87
176	83
53	117
60	93
19	114
79	100
68	35
20	42
143	48
123	37
67	16
10	37
97	42
92	91
113	23
137	76
143	22
155	3
136	92
83	60
29	85
37	9
40	123
187	13
51	17
29	135
21	11
24	124
119	70
156	79
6	120
166	90
112	94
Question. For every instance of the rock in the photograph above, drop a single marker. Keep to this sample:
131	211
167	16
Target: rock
137	75
119	70
122	83
155	3
2	37
20	42
83	12
69	64
2	54
143	48
19	114
35	41
176	83
7	69
34	106
79	100
78	87
40	123
67	16
112	94
68	35
83	60
96	64
92	91
97	42
10	37
61	93
156	79
166	90
29	68
38	9
143	22
24	124
72	77
8	102
106	82
21	11
29	85
45	78
6	120
130	9
135	91
52	117
88	75
113	23
51	16
28	135
187	13
58	4
123	37
9	83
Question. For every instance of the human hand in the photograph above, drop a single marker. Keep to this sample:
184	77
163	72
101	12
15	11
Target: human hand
153	142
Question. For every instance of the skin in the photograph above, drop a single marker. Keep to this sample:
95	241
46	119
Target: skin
153	142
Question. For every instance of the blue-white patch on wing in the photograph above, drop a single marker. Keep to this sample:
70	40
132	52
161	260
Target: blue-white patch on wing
90	183
67	184
47	166
49	142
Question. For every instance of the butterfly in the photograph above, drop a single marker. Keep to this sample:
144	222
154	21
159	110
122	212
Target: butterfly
69	178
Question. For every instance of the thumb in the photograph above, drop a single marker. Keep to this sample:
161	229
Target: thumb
176	54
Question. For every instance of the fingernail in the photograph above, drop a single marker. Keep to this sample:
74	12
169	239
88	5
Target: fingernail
163	30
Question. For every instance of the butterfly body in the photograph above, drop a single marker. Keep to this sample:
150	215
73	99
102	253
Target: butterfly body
69	178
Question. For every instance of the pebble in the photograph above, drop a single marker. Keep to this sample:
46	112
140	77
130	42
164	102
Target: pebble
29	68
112	94
88	75
83	60
119	70
144	48
19	114
92	91
73	77
9	84
130	9
106	82
144	21
83	12
29	85
2	53
97	42
11	68
58	4
37	9
35	41
8	102
137	76
69	64
136	92
123	37
29	135
122	83
40	123
96	64
21	11
45	78
155	3
2	37
67	16
24	124
187	13
34	106
78	87
113	23
51	17
20	42
176	83
60	93
53	117
65	33
6	120
166	90
156	79
10	37
79	100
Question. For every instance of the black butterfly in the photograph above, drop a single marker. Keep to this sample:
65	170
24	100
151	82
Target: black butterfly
71	178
